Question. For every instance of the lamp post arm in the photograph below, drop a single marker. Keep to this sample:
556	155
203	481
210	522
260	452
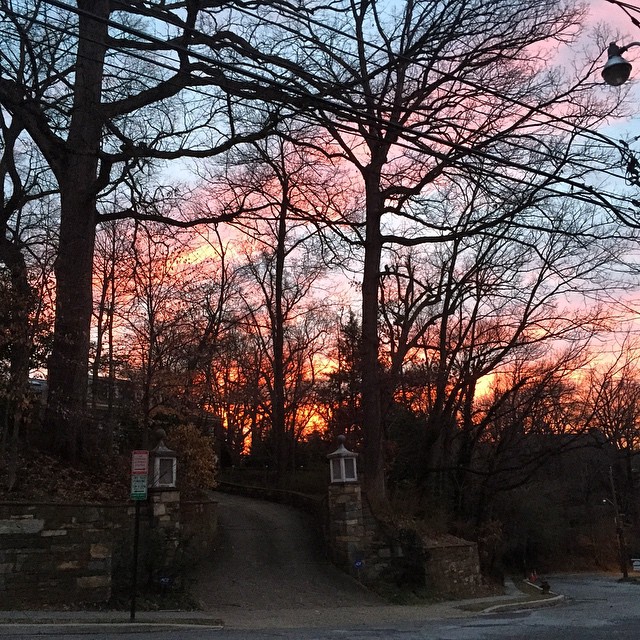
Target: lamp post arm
623	49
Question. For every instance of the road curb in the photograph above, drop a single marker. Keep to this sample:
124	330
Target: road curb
525	604
111	622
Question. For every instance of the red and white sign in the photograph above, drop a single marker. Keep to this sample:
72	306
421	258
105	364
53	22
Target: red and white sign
139	462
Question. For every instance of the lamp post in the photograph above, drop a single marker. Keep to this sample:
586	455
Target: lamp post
617	70
622	547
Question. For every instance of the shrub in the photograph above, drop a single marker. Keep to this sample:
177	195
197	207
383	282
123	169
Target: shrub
197	458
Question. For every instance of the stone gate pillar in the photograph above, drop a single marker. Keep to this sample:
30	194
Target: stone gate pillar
164	499
346	524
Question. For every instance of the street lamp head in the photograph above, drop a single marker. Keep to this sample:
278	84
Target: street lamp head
617	70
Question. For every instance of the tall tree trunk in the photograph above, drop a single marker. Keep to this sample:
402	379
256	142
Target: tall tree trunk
112	365
68	373
371	396
277	331
101	328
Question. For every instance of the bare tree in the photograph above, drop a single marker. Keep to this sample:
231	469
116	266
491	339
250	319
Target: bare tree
614	400
616	406
98	97
278	189
339	392
408	95
157	318
111	275
24	192
455	92
462	310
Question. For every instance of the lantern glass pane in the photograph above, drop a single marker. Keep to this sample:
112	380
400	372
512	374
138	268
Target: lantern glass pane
165	475
336	475
349	469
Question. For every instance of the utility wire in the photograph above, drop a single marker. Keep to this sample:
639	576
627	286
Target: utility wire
323	101
594	135
551	118
627	8
136	55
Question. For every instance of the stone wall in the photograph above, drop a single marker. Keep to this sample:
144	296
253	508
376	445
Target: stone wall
373	551
165	520
199	525
57	554
452	566
393	554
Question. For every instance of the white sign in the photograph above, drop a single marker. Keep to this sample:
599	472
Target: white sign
139	474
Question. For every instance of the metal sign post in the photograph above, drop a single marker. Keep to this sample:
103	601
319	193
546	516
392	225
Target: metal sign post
139	483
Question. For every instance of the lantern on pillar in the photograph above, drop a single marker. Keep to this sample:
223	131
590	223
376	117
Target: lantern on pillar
164	464
342	464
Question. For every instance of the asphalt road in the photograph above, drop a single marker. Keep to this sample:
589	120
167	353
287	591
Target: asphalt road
269	580
597	608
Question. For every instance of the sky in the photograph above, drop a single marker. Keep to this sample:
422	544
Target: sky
607	14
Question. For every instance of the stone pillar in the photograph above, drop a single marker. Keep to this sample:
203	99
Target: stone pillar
165	512
165	526
346	527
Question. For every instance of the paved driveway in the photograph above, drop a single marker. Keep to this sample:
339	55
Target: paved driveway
269	558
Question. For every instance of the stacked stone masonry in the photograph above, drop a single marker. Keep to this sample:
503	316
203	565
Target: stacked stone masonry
371	550
346	527
453	567
57	554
